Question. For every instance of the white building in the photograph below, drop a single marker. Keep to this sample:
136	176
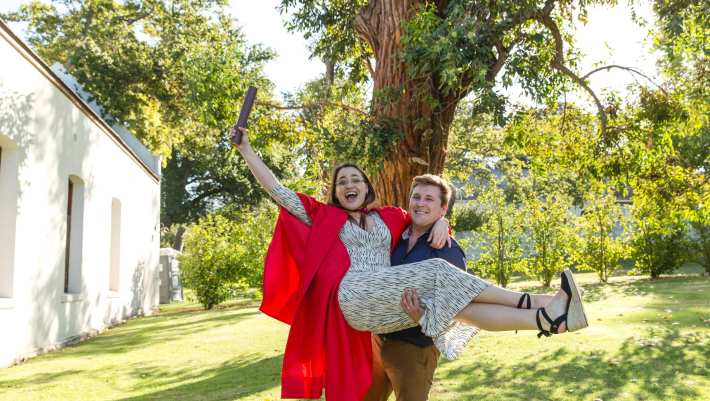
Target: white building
79	212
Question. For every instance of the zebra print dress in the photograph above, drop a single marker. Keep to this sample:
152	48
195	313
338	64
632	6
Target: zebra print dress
371	290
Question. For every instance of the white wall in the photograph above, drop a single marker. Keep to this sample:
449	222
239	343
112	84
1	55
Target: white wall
54	139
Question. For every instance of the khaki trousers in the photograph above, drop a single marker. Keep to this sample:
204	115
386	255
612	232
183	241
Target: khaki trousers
404	368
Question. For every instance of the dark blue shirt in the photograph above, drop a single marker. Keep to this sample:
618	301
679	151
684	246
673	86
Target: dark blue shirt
422	251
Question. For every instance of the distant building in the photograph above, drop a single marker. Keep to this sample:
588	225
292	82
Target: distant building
79	211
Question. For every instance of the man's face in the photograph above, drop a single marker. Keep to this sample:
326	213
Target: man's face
425	205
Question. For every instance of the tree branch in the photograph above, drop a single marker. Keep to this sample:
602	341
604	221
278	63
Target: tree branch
503	53
500	61
366	24
314	104
630	69
558	63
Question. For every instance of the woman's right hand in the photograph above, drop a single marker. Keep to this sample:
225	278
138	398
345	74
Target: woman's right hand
261	172
245	138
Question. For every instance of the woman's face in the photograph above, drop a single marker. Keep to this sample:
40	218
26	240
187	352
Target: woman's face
350	188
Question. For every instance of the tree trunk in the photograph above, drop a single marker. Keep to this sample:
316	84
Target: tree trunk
407	107
179	235
174	190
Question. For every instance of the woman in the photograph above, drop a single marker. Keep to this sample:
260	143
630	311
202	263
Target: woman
327	274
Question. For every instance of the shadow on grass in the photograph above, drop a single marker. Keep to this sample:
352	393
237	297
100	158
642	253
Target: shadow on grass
691	288
655	364
38	379
158	329
229	381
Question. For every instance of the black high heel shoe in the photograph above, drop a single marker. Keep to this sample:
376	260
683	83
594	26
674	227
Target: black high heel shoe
574	316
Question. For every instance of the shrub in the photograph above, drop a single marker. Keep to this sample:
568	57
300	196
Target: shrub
551	236
659	250
697	213
466	218
500	238
701	242
223	256
658	241
599	249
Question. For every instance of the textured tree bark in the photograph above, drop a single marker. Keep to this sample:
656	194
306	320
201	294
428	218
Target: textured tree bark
406	104
415	108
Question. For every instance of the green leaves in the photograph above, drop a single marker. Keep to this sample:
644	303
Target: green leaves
335	127
330	28
224	254
501	238
174	73
658	238
602	234
551	229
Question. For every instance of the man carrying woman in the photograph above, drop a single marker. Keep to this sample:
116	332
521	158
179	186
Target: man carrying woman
327	273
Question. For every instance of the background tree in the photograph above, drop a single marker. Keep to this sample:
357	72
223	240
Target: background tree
330	120
667	177
599	247
500	238
550	229
696	212
173	72
658	239
425	57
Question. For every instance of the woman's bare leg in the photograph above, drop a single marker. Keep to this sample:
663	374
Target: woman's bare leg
496	317
501	296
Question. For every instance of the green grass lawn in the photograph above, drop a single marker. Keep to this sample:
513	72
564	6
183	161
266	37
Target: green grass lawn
648	340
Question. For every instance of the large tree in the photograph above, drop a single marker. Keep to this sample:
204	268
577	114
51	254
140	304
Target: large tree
424	57
173	72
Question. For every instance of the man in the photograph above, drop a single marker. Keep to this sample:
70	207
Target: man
404	361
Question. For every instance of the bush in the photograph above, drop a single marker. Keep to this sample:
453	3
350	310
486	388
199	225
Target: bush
697	213
701	242
224	256
466	218
552	237
501	238
659	252
599	250
658	242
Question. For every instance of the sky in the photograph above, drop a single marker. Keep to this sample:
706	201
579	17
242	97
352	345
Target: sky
610	36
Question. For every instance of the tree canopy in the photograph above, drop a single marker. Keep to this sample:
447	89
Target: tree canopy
174	73
425	57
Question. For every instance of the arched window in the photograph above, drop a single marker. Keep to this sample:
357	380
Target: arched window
74	235
8	213
114	275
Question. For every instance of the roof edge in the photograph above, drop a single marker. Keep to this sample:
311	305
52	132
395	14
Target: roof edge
34	59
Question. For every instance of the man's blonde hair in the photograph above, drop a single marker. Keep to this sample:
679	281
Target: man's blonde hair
434	180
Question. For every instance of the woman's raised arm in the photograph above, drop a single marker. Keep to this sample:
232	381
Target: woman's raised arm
280	194
261	172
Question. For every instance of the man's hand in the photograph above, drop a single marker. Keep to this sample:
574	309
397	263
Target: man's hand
410	304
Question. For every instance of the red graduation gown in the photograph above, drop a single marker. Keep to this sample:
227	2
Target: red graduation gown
302	272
